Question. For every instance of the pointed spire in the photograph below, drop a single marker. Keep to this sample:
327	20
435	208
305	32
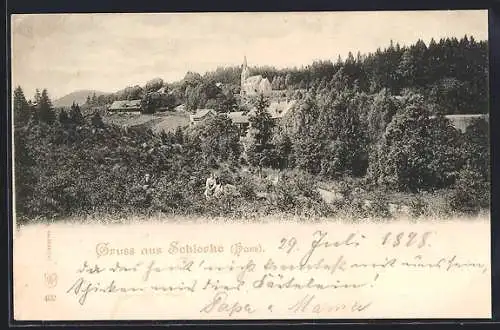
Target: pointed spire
245	61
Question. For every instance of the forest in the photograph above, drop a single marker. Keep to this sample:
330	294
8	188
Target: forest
452	74
370	127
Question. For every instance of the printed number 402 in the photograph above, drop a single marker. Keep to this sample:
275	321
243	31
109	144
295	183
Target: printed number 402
50	298
406	239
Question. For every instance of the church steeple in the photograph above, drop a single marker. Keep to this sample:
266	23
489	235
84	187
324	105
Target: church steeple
245	73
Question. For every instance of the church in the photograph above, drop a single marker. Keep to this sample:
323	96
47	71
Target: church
253	85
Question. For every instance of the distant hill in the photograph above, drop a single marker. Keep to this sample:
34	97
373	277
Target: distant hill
78	97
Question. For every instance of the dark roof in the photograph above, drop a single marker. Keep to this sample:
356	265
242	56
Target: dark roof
200	113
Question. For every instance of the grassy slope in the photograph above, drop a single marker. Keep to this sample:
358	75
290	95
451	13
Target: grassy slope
170	121
167	121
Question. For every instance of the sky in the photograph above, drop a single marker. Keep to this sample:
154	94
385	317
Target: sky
107	52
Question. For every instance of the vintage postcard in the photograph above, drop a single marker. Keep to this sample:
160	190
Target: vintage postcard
229	166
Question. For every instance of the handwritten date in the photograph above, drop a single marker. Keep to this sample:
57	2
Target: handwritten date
406	239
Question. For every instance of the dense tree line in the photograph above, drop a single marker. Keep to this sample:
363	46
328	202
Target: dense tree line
452	73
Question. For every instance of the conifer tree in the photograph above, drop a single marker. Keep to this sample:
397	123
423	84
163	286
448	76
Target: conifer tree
21	108
96	120
75	115
38	96
63	117
45	108
260	148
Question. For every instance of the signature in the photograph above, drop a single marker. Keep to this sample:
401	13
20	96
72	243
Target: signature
220	304
308	304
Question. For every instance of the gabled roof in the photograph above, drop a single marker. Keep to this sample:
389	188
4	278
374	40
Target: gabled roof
265	80
280	109
471	116
201	113
238	117
125	104
254	79
180	107
465	116
277	109
462	121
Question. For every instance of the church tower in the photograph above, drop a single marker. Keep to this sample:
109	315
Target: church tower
245	73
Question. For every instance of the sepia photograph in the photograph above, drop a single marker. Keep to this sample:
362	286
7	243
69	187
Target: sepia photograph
336	161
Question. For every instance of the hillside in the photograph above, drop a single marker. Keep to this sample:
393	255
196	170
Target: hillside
77	96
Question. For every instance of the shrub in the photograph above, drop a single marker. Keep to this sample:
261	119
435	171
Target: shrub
471	192
247	188
378	207
477	147
296	192
418	206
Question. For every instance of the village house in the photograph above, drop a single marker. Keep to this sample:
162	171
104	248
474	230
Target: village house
461	122
201	115
241	120
162	90
280	109
180	108
277	111
125	106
